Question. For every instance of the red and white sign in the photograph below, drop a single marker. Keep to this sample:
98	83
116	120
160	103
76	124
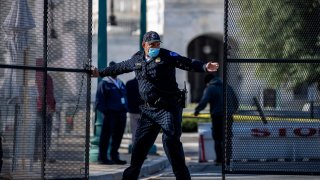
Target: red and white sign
277	139
306	132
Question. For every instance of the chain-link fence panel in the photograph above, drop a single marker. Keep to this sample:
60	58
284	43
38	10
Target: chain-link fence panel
45	49
272	62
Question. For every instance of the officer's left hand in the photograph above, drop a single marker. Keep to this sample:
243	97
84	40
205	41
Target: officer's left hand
212	66
94	72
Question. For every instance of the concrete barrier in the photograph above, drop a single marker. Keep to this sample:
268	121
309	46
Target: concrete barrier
206	143
257	141
276	140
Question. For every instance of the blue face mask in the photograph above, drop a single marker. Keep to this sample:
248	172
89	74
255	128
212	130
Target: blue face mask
153	52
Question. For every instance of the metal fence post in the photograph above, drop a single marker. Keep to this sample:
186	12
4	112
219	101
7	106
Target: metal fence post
102	61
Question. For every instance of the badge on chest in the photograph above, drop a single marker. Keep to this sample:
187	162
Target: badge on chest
123	101
158	60
137	66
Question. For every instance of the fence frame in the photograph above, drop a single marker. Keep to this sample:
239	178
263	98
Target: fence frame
227	61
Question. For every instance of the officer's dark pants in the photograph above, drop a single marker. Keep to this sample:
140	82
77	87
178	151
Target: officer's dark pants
114	123
152	120
217	135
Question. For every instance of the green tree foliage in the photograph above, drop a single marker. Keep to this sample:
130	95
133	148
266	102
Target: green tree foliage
282	29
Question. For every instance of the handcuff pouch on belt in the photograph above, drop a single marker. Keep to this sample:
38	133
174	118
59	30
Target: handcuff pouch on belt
182	97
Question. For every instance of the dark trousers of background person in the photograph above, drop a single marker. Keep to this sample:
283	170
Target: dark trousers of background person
134	118
113	126
229	136
218	135
152	120
38	136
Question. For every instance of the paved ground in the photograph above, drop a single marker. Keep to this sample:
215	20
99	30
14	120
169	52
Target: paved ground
153	164
156	167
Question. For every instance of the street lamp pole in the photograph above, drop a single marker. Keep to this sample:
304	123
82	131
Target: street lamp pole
102	62
143	20
112	17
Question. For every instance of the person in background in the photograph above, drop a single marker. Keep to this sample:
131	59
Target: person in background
111	101
50	109
155	70
134	103
213	94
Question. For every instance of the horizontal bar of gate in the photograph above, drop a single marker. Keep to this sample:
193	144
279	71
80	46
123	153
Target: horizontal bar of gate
249	60
43	68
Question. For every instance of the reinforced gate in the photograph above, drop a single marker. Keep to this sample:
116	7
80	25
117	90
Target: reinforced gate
45	48
272	61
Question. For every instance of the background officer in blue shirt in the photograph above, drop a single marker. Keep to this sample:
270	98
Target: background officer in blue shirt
134	103
111	101
155	70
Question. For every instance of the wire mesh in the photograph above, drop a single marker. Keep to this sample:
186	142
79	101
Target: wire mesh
44	88
272	55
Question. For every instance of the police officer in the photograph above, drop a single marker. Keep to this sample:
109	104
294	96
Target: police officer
155	71
213	94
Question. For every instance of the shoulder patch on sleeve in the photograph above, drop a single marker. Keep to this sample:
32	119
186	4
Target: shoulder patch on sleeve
174	54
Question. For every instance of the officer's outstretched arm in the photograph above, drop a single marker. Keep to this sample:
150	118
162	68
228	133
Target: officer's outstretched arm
188	64
118	68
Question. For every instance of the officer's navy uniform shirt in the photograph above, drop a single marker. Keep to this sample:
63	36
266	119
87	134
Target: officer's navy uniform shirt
156	77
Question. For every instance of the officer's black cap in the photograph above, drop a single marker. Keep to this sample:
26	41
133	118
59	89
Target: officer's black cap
151	36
